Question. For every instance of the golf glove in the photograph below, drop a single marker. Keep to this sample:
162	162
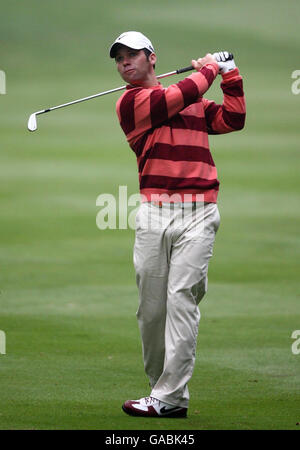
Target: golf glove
225	61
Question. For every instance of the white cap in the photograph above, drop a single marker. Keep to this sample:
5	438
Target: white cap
132	39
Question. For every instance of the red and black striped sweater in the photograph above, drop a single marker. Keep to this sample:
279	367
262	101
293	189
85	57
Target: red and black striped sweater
168	129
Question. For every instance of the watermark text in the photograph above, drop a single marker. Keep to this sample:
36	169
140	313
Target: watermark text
296	84
2	343
2	82
157	211
296	344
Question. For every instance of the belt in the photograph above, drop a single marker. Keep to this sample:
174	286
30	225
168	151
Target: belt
171	204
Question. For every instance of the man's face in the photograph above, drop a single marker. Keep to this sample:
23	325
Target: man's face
133	65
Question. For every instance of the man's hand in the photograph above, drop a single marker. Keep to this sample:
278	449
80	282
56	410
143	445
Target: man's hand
199	63
225	61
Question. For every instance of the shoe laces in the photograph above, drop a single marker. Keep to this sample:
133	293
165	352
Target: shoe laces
150	400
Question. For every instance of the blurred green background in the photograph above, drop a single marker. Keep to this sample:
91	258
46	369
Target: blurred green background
68	295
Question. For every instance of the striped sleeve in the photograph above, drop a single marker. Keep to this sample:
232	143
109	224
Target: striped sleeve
230	116
140	110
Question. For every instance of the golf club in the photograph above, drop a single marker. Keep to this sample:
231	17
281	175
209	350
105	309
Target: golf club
32	122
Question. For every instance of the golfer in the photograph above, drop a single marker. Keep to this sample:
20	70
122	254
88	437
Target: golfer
178	218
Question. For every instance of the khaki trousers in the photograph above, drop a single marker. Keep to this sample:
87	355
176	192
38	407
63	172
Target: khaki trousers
173	246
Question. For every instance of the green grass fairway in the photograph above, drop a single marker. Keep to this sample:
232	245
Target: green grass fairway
67	290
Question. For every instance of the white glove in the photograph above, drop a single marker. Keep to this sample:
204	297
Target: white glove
225	61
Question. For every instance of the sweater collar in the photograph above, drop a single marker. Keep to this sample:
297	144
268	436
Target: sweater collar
157	86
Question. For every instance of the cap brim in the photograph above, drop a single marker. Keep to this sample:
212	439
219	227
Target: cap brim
116	45
113	49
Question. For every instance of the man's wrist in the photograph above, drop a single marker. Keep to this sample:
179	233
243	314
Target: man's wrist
214	66
230	74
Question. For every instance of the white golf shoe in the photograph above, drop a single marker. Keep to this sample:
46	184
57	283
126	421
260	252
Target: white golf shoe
152	407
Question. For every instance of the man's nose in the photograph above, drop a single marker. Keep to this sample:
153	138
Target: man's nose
126	61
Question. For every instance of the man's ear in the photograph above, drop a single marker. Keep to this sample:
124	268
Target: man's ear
152	59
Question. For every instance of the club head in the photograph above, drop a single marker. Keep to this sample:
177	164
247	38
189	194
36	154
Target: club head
32	123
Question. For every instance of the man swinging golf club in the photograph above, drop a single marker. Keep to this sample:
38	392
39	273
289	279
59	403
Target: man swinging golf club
168	129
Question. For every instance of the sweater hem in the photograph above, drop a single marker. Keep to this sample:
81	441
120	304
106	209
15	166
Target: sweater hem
165	196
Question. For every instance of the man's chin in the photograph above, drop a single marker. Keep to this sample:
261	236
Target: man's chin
135	83
131	80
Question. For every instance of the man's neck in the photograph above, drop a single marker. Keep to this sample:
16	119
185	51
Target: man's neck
150	81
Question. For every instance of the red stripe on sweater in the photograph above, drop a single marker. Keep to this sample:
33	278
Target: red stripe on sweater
208	73
127	111
210	114
140	143
180	121
158	107
234	90
189	91
176	153
175	169
233	119
172	183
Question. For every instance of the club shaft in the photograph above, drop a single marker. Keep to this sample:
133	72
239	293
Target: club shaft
164	75
82	99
